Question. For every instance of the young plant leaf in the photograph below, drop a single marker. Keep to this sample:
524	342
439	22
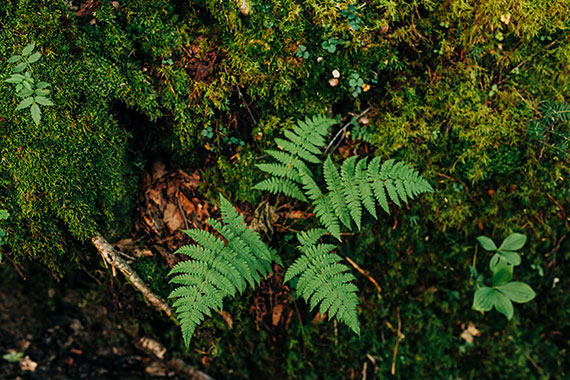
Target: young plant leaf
36	113
25	103
15	79
503	305
517	291
494	261
35	57
20	67
483	300
24	93
43	101
487	243
502	274
28	49
14	59
42	85
511	257
513	242
42	92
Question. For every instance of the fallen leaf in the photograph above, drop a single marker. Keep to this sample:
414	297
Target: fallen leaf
227	318
276	315
173	218
158	170
470	332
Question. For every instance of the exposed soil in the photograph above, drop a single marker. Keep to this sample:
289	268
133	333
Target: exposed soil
73	329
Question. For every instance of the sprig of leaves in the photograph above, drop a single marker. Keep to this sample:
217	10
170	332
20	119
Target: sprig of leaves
503	291
33	94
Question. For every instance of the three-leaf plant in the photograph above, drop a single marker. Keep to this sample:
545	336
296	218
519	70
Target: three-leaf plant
503	291
33	94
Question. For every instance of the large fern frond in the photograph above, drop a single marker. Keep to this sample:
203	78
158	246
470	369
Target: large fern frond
217	268
323	281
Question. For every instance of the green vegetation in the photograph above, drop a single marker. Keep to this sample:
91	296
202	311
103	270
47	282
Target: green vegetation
504	291
472	94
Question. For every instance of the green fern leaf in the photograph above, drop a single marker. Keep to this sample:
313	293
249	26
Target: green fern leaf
323	281
217	268
335	195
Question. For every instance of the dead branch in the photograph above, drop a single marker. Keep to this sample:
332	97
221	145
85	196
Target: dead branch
111	257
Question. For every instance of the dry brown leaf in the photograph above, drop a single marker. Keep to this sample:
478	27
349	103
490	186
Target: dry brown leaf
276	315
227	318
27	364
157	368
187	205
155	195
470	332
173	218
158	170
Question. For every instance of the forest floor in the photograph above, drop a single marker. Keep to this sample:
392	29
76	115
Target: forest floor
74	330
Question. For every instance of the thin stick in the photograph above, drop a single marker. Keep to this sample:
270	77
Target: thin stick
343	129
116	261
244	102
398	339
186	224
364	273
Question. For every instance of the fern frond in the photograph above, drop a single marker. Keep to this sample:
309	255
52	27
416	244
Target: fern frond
217	268
323	280
300	146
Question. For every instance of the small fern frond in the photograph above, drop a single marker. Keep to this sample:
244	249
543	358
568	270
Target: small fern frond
323	280
217	268
300	146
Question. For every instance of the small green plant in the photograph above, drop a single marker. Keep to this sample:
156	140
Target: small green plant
351	13
302	52
3	216
552	128
330	45
13	356
503	291
34	94
355	82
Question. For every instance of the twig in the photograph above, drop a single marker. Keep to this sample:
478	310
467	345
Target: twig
186	224
364	273
116	261
244	102
343	129
398	339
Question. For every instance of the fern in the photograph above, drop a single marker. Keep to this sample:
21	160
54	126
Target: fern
358	185
217	268
323	281
552	128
